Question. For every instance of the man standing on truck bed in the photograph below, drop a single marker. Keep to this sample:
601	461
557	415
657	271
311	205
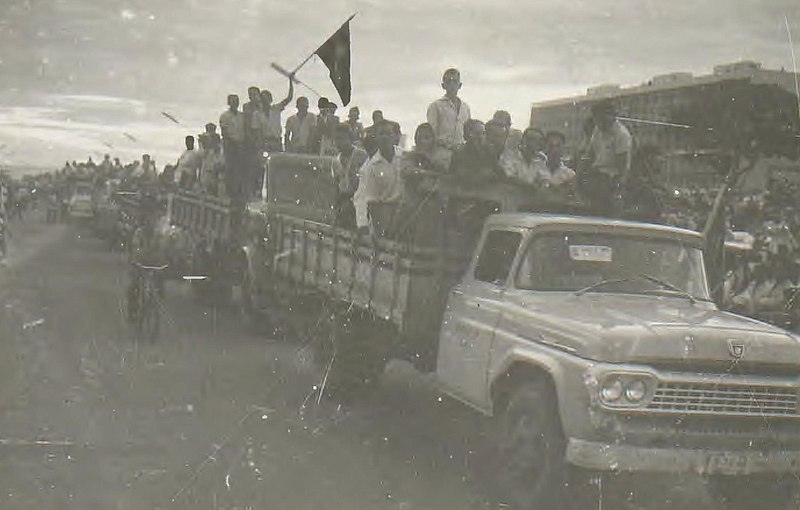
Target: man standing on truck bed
471	161
380	188
273	131
231	122
188	168
448	114
255	129
299	128
350	159
610	148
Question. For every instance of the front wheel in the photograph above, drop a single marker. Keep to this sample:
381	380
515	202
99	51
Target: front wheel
531	469
352	353
776	492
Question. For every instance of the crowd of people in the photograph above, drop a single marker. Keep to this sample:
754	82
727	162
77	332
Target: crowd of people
372	171
371	167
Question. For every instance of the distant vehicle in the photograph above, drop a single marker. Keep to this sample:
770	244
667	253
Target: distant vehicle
80	204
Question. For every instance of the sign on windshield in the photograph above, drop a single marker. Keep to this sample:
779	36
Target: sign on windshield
590	253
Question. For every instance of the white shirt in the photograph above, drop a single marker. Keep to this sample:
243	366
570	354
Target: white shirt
232	126
379	181
258	124
515	166
561	175
301	130
606	146
189	163
448	121
273	128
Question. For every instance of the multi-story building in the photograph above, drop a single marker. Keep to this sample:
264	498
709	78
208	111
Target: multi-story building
658	111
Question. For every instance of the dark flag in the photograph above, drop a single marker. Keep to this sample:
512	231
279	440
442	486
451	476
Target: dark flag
716	228
714	235
335	52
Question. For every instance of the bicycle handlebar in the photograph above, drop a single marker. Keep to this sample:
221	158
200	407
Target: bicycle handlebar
150	268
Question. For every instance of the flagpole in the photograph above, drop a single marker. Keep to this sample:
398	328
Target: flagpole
291	76
315	51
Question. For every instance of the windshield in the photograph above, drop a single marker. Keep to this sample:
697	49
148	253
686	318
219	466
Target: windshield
575	261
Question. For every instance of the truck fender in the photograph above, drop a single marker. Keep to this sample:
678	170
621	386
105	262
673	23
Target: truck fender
518	366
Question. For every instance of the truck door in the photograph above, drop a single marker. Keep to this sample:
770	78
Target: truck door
472	313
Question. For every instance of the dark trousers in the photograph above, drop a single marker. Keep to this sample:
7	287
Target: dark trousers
345	212
235	169
600	191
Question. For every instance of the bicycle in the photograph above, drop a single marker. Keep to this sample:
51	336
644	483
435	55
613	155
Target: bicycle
3	236
147	318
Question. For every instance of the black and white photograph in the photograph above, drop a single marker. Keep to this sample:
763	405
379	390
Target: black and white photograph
416	255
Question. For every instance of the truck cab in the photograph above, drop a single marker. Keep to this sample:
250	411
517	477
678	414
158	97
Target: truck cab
600	337
80	203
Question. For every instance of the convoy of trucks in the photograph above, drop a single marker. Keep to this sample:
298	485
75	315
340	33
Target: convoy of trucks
594	343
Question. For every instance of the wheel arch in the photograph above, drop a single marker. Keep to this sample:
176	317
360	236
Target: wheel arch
518	372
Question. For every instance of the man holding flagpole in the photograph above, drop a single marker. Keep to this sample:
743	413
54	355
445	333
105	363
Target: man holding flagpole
273	111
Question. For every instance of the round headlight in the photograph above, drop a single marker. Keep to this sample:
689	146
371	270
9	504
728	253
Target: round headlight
612	390
635	391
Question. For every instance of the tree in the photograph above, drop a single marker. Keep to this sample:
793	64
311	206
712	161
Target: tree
743	123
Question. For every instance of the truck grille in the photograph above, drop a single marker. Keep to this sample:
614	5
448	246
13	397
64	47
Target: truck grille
730	399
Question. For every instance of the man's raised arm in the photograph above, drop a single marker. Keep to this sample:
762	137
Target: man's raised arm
289	97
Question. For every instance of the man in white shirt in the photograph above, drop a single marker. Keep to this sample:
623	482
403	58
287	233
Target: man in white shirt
256	128
273	130
611	143
379	180
300	127
448	114
146	169
610	147
255	119
557	173
232	125
186	175
527	163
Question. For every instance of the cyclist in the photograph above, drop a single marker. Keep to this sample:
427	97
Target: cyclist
146	250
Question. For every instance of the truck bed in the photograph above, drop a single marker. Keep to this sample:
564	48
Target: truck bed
398	283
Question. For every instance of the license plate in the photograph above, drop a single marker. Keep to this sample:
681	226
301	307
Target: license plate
728	463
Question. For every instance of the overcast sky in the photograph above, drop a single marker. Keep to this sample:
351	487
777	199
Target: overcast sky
77	75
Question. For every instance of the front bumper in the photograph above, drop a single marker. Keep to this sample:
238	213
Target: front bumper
620	457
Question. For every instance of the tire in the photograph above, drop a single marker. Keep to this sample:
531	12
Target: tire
352	355
777	492
530	467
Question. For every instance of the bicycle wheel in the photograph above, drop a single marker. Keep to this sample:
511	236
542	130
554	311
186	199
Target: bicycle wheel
150	321
149	317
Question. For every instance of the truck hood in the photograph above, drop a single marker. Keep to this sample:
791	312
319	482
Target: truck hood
660	331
